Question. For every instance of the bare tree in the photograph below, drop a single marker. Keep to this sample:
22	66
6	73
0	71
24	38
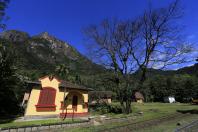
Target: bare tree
112	42
150	41
161	44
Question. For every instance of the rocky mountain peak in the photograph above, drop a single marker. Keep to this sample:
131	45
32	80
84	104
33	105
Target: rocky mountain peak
53	40
15	36
58	46
45	35
43	42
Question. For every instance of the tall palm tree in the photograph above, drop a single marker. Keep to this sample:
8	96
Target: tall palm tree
62	70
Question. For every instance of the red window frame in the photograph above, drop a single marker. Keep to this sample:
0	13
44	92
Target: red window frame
46	100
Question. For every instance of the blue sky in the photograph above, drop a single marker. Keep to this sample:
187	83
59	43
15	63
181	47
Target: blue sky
65	19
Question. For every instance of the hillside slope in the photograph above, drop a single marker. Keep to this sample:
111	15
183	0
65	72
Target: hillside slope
191	70
40	54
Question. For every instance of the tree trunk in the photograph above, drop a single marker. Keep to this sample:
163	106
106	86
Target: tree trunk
143	76
123	107
128	107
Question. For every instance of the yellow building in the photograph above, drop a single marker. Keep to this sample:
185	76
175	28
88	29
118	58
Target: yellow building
51	97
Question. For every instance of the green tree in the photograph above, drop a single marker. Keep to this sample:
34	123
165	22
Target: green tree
78	79
8	82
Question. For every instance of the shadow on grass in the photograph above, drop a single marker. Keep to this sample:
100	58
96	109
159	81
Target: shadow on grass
7	119
193	111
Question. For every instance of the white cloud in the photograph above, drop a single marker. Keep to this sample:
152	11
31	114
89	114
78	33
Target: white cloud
192	36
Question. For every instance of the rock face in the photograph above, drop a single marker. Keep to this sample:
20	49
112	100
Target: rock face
59	46
41	43
15	36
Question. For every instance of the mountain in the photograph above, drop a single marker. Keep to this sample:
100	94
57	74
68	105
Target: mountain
40	54
191	70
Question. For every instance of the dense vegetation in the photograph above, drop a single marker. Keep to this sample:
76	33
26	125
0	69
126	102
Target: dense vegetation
181	83
183	87
8	83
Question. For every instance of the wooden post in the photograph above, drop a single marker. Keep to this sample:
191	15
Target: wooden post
64	104
73	115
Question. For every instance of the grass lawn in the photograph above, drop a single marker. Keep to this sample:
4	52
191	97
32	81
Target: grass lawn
37	122
150	111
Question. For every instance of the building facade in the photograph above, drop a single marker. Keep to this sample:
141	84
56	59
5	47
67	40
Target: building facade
51	97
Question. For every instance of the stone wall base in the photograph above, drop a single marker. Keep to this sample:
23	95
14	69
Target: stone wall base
46	127
70	115
40	116
61	115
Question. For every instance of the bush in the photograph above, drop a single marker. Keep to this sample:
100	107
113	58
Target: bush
117	109
107	108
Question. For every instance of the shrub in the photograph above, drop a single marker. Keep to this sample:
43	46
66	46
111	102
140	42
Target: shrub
107	108
117	109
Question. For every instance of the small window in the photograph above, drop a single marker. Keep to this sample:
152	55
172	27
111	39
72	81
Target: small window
46	100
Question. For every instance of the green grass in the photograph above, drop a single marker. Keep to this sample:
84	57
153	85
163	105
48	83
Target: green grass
150	111
37	122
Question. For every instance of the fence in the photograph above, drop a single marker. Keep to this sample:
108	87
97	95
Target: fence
141	125
192	127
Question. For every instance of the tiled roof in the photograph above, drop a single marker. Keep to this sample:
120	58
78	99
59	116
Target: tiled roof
101	94
63	84
139	95
67	84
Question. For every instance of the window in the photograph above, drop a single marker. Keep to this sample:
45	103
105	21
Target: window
46	100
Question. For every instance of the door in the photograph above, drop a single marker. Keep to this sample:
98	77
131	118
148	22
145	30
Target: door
75	102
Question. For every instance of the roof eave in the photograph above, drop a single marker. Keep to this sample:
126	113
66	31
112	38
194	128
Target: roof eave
85	89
